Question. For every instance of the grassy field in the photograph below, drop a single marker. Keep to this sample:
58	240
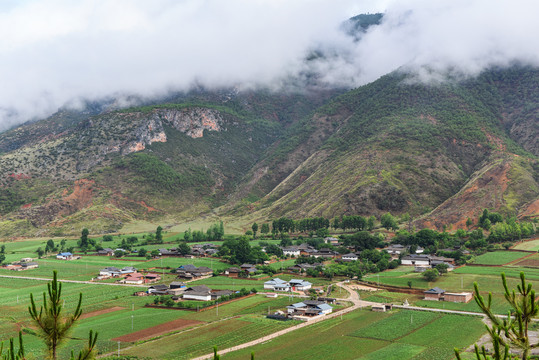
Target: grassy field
528	245
499	257
459	280
363	334
248	315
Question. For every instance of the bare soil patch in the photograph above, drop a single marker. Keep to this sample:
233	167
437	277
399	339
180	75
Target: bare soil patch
101	312
531	262
157	330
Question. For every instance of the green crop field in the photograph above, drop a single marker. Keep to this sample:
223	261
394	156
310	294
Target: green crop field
499	257
393	336
459	280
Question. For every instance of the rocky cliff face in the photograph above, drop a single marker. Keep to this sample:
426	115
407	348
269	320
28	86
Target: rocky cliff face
96	139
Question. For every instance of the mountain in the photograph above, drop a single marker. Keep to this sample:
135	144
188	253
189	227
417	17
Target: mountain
441	152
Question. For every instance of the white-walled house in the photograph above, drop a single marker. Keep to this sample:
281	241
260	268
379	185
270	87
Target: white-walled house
277	285
349	257
64	256
200	292
299	285
291	251
416	260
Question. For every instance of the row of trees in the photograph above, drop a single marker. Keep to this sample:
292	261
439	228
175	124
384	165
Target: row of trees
215	232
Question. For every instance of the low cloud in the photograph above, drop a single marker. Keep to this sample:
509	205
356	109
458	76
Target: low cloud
54	53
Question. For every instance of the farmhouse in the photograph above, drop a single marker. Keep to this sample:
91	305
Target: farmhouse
309	308
248	268
152	277
349	257
331	240
464	297
158	289
277	285
217	294
191	271
434	294
304	267
177	285
441	259
200	292
291	251
300	285
441	295
105	252
29	265
134	278
415	260
325	253
232	272
64	256
109	271
396	249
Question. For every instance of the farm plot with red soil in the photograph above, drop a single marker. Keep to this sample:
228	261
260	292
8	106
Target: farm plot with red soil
157	330
101	312
532	261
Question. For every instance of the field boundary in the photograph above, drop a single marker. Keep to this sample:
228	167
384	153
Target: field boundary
157	330
402	290
198	309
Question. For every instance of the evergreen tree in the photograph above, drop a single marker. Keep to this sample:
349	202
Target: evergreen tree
512	330
159	235
255	229
83	242
53	325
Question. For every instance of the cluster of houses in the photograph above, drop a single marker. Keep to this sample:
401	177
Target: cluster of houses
292	285
200	250
23	264
180	290
128	275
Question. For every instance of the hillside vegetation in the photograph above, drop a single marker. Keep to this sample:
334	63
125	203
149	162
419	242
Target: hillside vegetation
441	152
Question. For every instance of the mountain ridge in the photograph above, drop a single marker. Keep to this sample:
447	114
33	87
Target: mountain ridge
389	146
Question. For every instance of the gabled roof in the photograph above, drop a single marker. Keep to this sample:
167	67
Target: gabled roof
188	267
435	290
324	306
65	254
204	269
297	305
416	257
276	281
299	282
350	255
313	302
111	268
159	287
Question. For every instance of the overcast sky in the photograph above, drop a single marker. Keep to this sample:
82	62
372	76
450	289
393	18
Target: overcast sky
57	52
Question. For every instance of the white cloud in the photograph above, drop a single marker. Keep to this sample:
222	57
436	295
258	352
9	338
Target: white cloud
53	52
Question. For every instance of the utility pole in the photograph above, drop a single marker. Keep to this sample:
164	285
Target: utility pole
132	322
118	349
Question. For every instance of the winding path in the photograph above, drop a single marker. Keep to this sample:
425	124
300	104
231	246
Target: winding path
354	298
